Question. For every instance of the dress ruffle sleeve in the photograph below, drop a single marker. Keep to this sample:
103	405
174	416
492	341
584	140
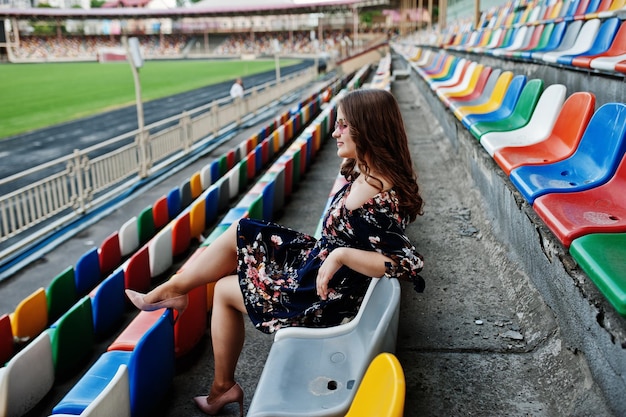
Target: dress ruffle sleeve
384	233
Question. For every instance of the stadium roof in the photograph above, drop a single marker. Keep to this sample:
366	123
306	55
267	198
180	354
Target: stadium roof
206	8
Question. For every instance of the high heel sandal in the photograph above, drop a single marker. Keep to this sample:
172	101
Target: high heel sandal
179	303
233	395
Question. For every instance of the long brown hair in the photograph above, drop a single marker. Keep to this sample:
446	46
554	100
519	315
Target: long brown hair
377	128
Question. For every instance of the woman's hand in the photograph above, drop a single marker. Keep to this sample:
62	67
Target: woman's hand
329	267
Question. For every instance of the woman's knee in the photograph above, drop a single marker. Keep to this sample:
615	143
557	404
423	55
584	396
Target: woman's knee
228	292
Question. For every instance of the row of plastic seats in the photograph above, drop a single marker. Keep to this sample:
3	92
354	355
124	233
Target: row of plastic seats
259	201
566	158
597	44
81	322
382	74
44	306
520	13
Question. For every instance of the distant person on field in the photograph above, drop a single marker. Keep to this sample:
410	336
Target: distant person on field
236	91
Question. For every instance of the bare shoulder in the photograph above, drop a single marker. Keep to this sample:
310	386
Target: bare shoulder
360	192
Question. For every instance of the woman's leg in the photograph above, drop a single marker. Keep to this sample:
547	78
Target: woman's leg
227	333
216	261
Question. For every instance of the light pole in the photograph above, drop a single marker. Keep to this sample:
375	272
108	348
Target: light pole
133	55
276	59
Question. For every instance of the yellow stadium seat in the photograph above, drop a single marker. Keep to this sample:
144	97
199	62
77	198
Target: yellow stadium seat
382	390
30	317
494	102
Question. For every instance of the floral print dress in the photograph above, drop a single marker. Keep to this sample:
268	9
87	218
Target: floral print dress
277	266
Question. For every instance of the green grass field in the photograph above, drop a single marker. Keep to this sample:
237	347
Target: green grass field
34	96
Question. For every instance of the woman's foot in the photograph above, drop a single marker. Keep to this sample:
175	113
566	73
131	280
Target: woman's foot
178	303
213	405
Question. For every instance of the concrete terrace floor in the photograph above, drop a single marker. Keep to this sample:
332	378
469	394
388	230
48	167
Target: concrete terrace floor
480	341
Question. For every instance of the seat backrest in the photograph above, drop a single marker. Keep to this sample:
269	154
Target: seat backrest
604	140
72	337
160	213
129	236
174	202
160	250
61	294
197	218
137	271
181	234
574	117
7	346
619	42
30	317
151	367
556	36
27	377
87	272
570	36
586	37
528	99
377	328
114	399
108	303
605	36
513	93
196	185
145	225
382	390
110	253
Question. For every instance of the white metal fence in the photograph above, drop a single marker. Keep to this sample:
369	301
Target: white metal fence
68	187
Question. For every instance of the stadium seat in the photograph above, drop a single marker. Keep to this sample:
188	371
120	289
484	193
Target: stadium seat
481	92
174	205
145	225
150	372
600	209
137	271
618	47
61	294
160	213
161	253
382	390
542	38
113	400
7	345
509	101
553	41
493	102
181	234
108	304
191	326
196	185
129	236
584	40
466	86
601	43
87	272
72	338
197	219
30	317
601	256
109	253
313	382
185	194
565	42
593	163
131	335
535	121
562	141
27	378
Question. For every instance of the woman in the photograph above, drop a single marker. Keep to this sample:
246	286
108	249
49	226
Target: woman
286	278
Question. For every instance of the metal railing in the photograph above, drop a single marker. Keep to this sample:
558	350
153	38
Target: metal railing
66	188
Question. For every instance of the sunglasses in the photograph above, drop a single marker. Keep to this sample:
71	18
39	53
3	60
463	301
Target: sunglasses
341	124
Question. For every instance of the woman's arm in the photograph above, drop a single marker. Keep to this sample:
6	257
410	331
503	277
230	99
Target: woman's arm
368	263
